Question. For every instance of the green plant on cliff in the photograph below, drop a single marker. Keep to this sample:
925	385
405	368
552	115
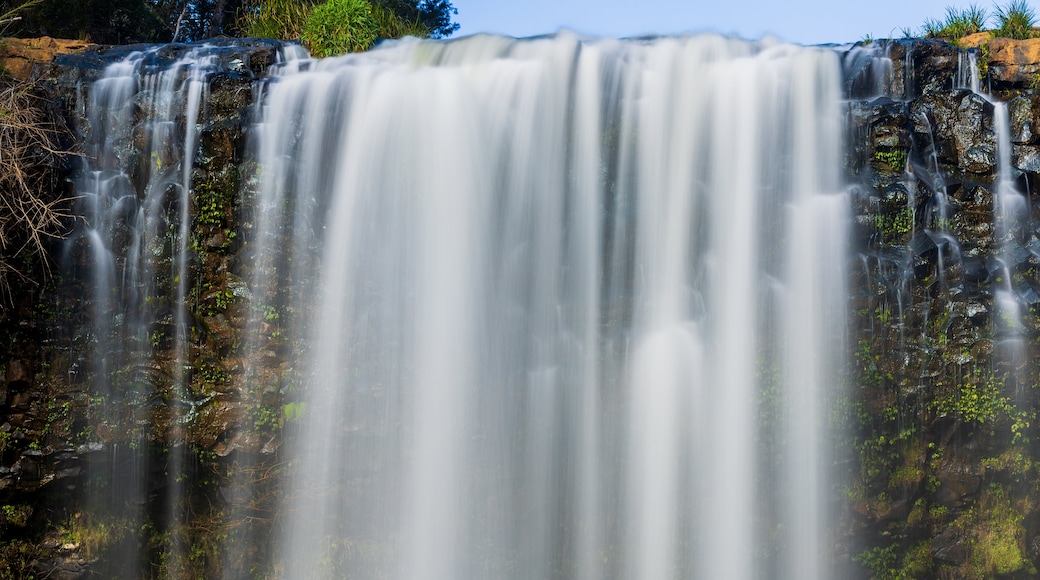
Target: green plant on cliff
884	562
996	536
1015	20
895	225
957	24
895	159
977	400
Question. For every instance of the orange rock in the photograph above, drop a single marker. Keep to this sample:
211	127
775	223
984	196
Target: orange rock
975	40
1014	61
17	55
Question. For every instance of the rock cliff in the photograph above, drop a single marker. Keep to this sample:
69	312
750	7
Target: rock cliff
940	470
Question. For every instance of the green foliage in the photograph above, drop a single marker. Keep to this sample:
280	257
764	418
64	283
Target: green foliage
11	14
392	25
338	27
18	559
281	19
895	159
293	411
980	400
880	560
1015	20
15	515
884	562
211	204
899	224
434	16
957	24
103	21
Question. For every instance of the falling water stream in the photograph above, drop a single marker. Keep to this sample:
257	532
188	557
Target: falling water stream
136	225
566	308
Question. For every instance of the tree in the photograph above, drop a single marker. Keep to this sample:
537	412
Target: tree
434	15
102	21
127	21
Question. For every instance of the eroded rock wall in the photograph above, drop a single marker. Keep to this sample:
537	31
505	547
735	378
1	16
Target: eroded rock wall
942	477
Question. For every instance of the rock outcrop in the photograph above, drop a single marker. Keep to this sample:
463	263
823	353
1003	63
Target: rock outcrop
18	55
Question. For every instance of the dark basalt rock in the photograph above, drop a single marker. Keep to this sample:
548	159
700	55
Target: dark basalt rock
921	67
247	58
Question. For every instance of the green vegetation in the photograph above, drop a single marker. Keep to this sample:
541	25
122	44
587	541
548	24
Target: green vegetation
339	26
1015	20
997	535
283	19
957	24
899	224
980	401
895	159
128	21
884	562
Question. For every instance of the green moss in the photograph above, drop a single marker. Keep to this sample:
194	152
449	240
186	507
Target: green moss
895	225
997	533
894	159
885	562
213	200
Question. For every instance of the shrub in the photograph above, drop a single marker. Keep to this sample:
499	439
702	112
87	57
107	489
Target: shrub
1015	20
334	27
340	26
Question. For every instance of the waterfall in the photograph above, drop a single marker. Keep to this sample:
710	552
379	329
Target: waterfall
136	223
548	308
577	307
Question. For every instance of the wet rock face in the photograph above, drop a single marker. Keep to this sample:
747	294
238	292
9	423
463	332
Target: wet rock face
921	67
958	129
944	321
236	59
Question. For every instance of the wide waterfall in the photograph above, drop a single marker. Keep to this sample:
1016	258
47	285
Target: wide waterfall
554	308
579	311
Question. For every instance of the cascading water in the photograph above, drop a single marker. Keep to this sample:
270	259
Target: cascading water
579	310
1011	212
136	220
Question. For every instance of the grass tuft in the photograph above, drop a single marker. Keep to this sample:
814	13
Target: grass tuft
1015	20
957	24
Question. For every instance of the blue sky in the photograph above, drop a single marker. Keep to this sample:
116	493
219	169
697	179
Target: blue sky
800	21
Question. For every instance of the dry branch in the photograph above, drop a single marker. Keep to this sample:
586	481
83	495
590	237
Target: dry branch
30	211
